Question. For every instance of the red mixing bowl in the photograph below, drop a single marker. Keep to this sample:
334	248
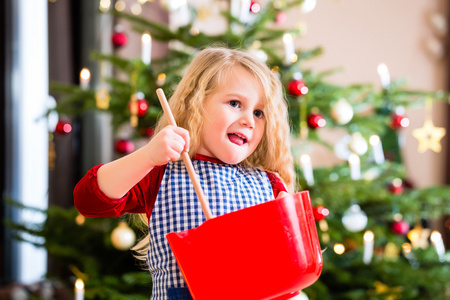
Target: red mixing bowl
267	251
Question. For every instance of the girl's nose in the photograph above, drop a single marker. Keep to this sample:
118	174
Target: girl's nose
247	120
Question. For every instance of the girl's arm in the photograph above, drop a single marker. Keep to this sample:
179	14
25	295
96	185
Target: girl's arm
92	202
116	178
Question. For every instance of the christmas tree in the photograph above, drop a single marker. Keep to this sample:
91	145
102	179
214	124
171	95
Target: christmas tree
371	221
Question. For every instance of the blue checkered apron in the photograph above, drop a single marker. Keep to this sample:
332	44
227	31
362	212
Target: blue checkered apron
227	188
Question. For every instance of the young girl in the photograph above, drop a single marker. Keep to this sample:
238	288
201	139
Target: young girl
233	122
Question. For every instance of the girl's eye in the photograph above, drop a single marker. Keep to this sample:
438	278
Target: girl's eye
258	113
234	103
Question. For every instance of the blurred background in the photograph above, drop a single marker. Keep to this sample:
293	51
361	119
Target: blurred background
370	132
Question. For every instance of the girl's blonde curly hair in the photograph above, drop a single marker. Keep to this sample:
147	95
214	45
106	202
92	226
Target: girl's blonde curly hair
207	71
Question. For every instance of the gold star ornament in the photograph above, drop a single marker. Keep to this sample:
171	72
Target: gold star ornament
419	237
429	137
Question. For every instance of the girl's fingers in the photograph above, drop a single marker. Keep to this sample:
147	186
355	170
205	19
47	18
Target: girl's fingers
177	145
174	155
185	136
168	144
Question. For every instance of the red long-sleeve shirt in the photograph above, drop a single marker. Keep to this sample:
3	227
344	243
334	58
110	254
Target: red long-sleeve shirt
92	202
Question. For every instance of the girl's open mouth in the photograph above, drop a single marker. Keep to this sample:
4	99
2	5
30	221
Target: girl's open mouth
237	139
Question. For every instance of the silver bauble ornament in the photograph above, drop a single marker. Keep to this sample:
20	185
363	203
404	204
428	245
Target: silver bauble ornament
123	237
342	112
354	219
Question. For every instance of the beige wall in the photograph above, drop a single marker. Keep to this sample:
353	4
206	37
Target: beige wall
358	35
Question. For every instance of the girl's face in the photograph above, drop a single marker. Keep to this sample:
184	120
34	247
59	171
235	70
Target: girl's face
234	118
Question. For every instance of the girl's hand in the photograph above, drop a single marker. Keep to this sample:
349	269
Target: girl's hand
282	194
167	145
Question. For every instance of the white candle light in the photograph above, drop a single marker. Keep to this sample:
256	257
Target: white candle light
289	51
85	77
146	54
235	7
161	79
180	13
384	75
308	6
368	246
407	252
305	161
378	154
406	247
79	289
436	239
105	5
355	168
244	13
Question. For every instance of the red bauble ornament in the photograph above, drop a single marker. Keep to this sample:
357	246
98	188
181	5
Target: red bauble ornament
407	183
297	87
399	121
316	121
124	146
281	17
255	7
320	213
119	39
149	131
142	107
396	186
63	127
400	227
